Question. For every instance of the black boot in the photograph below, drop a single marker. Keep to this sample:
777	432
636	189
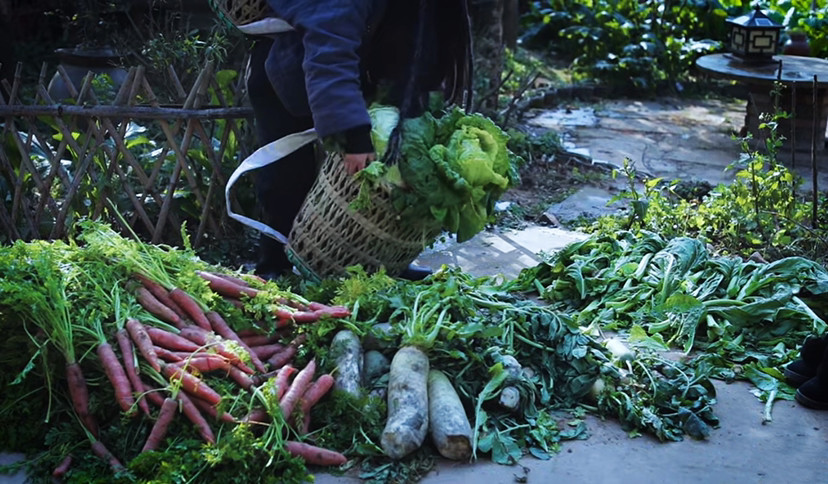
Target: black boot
273	261
814	392
805	367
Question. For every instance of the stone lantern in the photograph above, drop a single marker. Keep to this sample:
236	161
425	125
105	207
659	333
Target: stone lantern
754	37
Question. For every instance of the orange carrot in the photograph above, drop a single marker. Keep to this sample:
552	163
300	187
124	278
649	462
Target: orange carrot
313	306
192	384
63	467
170	341
316	391
312	395
315	455
152	395
282	380
298	305
306	423
204	363
240	377
192	354
244	333
117	377
156	307
331	311
239	280
227	288
101	451
260	378
307	316
170	356
190	307
300	384
192	412
212	411
285	316
143	342
79	394
235	302
204	338
160	293
159	429
257	415
234	279
283	357
125	345
224	330
264	352
258	340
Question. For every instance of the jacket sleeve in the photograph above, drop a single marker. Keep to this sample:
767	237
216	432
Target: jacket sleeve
331	33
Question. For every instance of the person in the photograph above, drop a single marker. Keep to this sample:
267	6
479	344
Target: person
809	373
340	57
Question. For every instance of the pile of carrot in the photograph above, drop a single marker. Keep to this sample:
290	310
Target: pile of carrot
202	342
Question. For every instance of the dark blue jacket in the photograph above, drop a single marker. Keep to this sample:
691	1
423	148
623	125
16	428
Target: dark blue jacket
315	70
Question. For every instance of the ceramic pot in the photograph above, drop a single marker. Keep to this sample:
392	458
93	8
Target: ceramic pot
797	44
78	62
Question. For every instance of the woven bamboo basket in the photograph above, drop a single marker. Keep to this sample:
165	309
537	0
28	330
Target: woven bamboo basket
328	235
239	12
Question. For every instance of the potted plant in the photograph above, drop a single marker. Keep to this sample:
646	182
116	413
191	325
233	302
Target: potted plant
90	25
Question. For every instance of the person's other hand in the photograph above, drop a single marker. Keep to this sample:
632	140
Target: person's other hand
354	162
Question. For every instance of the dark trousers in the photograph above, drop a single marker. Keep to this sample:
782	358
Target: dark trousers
282	186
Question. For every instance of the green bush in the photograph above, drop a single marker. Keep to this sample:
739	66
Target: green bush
761	210
650	45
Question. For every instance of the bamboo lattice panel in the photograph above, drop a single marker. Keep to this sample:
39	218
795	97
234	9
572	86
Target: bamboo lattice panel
120	155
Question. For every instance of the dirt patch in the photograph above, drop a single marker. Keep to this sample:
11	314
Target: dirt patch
545	181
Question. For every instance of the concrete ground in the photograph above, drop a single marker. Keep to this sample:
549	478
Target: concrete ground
670	139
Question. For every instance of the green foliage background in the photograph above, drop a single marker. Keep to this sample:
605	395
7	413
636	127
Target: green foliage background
652	44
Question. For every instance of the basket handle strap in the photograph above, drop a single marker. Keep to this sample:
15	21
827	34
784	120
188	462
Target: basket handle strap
265	26
267	154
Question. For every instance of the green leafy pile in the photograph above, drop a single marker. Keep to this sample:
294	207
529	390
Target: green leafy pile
538	337
452	168
676	290
494	341
736	318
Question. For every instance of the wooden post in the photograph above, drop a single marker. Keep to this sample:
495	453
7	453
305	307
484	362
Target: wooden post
793	126
814	171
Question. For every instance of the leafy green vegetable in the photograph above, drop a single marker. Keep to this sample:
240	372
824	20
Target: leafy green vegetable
770	386
383	121
452	170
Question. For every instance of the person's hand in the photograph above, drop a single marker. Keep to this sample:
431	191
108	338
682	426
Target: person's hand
354	162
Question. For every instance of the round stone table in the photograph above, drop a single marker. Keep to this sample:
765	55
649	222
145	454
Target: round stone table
796	74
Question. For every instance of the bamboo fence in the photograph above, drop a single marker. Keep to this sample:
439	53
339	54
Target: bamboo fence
138	164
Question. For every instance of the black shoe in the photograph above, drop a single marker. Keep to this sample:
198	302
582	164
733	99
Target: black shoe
415	273
813	394
804	368
273	261
798	372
